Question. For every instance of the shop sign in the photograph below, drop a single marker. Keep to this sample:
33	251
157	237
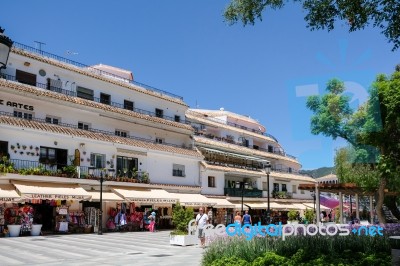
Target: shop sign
142	200
6	199
198	204
16	105
54	196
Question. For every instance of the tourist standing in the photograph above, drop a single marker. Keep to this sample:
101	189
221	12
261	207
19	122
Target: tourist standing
201	222
238	218
246	218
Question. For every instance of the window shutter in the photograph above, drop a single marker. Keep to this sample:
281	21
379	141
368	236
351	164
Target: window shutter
92	159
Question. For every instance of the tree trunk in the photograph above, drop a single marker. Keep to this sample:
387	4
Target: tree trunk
390	202
379	202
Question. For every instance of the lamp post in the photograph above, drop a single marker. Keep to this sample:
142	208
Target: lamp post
100	231
5	47
268	171
314	197
242	184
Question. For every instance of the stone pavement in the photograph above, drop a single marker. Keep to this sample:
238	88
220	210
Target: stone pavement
127	248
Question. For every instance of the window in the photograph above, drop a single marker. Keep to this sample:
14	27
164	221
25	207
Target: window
290	169
270	148
98	160
246	142
177	118
284	187
84	93
128	105
276	186
23	114
52	120
127	166
256	147
178	170
159	113
105	98
83	125
121	133
294	189
301	191
25	77
159	140
211	181
47	155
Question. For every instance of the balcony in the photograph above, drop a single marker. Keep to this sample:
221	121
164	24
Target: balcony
240	165
25	167
281	194
100	131
237	192
254	147
93	70
95	99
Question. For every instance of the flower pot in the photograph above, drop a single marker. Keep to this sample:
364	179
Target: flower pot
183	240
36	229
14	229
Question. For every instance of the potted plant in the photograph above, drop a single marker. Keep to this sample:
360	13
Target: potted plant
309	215
292	215
180	219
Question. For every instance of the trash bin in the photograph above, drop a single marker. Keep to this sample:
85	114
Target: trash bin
395	245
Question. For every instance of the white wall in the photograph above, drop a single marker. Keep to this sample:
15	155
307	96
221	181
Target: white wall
219	182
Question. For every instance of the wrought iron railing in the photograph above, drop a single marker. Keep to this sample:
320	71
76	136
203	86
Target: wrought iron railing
95	99
237	192
210	136
92	69
98	131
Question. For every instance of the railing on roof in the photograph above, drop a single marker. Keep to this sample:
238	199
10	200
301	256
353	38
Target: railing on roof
95	99
93	70
97	131
241	127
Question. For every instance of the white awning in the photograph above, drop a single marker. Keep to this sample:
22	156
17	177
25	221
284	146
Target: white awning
56	191
222	203
260	205
194	200
106	196
151	196
8	193
311	206
238	206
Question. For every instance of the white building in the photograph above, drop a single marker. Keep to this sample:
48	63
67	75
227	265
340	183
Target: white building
57	115
236	150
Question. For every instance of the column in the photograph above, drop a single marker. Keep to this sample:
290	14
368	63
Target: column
371	209
318	209
341	208
357	209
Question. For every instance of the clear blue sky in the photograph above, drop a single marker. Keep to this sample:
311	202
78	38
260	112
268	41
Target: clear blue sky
186	48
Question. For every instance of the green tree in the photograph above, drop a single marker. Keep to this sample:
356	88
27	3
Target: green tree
323	14
181	218
374	127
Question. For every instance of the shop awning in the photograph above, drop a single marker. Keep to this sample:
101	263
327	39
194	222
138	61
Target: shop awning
311	206
194	200
8	193
56	191
238	206
260	205
222	203
106	196
150	196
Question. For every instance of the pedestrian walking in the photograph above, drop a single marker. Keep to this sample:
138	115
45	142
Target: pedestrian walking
246	218
201	222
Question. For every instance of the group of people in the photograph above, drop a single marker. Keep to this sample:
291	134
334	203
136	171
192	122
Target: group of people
246	219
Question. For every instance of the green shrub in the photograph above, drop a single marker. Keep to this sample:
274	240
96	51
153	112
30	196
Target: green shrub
292	214
181	218
231	261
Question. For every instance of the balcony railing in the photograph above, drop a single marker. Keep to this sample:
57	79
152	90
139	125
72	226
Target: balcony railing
26	167
95	99
281	194
92	69
237	192
99	131
249	166
227	140
241	127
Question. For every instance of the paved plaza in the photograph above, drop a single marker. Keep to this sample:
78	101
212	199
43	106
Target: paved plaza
128	248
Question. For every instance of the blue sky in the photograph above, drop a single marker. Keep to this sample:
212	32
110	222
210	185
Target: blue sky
185	47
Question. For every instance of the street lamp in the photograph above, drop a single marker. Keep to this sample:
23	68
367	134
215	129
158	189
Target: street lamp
100	231
242	184
268	171
314	197
5	47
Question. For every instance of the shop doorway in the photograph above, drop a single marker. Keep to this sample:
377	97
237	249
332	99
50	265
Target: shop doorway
4	149
44	214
